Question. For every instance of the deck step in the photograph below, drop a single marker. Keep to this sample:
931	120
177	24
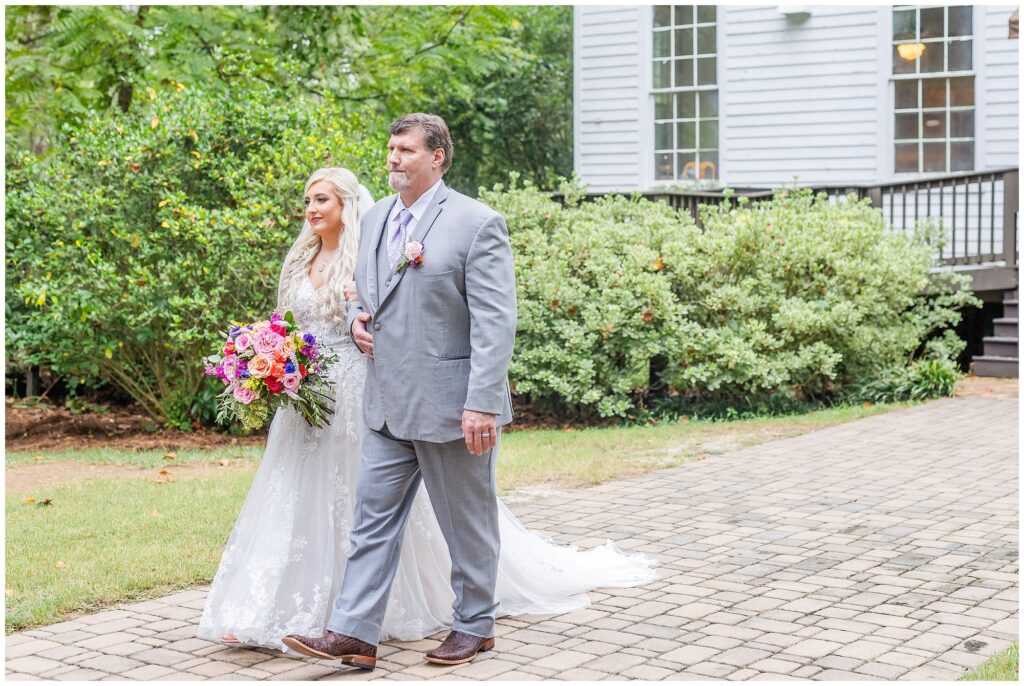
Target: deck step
1010	308
1007	327
1003	367
1000	346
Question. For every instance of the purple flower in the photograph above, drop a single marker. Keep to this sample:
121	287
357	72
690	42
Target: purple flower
234	331
243	373
275	317
306	350
309	338
289	368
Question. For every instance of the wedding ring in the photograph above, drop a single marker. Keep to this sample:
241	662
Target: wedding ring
485	433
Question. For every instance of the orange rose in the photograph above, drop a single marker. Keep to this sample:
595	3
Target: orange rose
277	370
259	366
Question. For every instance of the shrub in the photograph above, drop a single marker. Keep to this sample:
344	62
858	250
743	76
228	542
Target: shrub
624	302
145	233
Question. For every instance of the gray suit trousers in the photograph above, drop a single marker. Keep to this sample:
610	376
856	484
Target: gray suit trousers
463	493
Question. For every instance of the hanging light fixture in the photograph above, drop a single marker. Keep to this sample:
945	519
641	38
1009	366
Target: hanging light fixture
910	51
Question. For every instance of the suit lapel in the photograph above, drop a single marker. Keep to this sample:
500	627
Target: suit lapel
372	275
420	234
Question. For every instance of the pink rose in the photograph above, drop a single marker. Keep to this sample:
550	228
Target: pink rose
266	341
291	382
413	250
244	395
242	342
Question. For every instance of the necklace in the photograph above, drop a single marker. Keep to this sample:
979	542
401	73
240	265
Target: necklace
322	268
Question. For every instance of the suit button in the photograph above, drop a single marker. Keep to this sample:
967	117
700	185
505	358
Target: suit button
376	327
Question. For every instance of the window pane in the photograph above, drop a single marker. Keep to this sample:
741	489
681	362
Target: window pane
705	13
662	15
663	166
684	42
934	157
906	157
708	167
934	92
686	107
686	163
931	60
684	15
706	40
906	126
708	104
961	124
960	21
663	137
707	71
906	95
663	106
901	65
934	124
684	73
931	22
687	132
960	55
662	44
662	74
961	91
961	156
904	24
709	133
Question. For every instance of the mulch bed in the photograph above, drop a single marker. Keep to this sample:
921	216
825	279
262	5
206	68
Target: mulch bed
45	426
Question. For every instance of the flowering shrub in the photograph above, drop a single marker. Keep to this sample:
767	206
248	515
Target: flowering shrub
142	233
623	301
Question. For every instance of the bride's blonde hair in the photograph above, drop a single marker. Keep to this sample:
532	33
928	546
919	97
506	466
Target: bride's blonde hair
331	295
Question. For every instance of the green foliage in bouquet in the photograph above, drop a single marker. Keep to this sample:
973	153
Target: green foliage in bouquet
624	302
141	233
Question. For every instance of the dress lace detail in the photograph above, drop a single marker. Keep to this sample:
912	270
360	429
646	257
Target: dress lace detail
285	558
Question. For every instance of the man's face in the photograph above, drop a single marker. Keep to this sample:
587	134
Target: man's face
410	164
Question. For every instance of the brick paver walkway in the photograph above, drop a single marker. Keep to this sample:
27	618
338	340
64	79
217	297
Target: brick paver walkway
881	549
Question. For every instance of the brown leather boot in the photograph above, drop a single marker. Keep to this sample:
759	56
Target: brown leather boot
332	646
459	648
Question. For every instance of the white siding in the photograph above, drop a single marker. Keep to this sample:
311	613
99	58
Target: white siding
805	100
997	83
802	100
610	64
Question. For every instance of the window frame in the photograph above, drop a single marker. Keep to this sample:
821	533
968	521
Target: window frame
650	163
919	76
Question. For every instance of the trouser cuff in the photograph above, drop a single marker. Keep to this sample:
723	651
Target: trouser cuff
367	632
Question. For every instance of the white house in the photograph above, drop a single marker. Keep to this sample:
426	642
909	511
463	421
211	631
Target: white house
758	96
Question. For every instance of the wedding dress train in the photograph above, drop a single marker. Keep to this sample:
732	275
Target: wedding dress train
285	558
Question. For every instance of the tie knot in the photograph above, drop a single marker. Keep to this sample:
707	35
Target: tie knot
404	216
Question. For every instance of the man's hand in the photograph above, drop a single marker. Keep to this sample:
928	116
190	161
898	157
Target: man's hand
479	431
349	290
362	337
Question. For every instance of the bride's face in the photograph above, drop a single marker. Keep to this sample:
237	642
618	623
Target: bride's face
323	208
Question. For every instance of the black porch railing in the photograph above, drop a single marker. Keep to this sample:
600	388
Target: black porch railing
978	210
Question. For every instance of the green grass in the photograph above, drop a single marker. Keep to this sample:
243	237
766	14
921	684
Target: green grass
1004	666
138	458
128	538
109	541
592	456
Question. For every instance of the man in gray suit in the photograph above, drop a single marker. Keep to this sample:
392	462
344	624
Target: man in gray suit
437	317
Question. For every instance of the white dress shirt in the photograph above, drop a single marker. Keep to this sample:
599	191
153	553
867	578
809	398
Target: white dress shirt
417	210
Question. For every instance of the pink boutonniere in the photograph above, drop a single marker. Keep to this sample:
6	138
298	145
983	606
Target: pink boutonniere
413	256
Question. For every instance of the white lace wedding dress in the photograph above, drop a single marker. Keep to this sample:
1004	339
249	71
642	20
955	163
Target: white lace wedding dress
285	558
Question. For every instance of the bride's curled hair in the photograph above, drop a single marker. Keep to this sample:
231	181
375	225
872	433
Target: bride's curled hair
296	264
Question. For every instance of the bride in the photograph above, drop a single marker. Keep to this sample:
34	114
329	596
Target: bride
284	560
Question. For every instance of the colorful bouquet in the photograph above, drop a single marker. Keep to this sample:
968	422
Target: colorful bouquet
271	364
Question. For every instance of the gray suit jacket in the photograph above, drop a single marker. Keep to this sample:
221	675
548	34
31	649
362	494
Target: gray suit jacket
443	331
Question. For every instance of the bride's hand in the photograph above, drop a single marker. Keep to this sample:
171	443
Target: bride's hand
349	289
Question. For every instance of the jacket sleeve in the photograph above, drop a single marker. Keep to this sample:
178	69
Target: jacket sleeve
491	296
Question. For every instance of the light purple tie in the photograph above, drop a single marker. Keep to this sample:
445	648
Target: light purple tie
396	239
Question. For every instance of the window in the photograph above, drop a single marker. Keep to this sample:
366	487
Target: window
934	81
685	92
